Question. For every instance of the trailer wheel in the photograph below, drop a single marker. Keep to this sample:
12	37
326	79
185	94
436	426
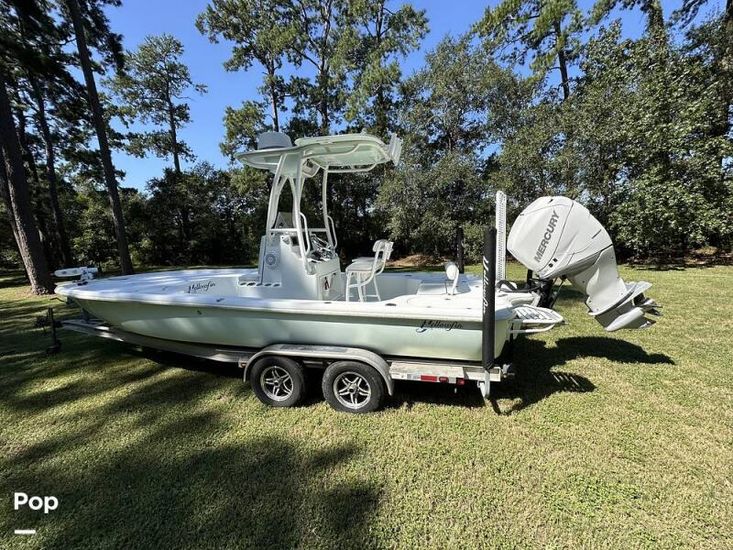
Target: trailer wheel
353	387
278	381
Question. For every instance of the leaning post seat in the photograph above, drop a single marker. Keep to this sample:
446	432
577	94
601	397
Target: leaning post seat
363	271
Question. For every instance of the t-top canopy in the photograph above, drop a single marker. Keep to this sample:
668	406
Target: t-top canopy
341	153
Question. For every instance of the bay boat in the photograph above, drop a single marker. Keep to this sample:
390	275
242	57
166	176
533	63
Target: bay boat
300	297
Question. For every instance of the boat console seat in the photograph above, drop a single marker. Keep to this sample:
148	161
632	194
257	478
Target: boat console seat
364	270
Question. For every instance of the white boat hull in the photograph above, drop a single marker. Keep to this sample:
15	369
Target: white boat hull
252	328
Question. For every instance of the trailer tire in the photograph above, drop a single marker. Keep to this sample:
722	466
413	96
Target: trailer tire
353	387
278	381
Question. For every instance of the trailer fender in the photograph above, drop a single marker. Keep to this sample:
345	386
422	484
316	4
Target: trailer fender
336	353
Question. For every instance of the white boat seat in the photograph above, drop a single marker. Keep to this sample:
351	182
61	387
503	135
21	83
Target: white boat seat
364	271
365	265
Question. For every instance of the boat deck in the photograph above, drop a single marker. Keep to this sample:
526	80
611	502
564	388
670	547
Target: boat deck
424	295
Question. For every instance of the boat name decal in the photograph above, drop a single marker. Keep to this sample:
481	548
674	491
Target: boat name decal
195	288
441	325
547	236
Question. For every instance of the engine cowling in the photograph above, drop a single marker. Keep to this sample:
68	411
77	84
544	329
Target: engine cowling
558	237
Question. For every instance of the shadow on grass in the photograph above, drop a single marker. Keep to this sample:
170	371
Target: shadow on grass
535	362
13	278
409	393
569	294
535	380
179	483
153	464
177	360
14	310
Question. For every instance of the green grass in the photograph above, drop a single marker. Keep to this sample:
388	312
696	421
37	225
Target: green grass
605	440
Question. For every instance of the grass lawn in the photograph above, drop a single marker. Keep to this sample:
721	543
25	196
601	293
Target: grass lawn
604	440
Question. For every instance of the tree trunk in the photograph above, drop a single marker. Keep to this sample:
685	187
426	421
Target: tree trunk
726	70
562	59
381	122
26	232
323	82
325	123
5	193
661	109
174	137
58	218
460	256
38	200
273	98
101	131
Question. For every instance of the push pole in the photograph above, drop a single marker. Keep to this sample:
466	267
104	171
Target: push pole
488	327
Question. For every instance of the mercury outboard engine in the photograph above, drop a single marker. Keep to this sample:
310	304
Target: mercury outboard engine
556	237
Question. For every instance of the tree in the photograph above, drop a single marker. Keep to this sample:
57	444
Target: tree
438	191
534	30
7	205
39	198
13	180
206	216
80	25
47	74
714	41
151	89
320	40
16	184
640	150
381	37
38	95
652	9
241	126
259	35
542	37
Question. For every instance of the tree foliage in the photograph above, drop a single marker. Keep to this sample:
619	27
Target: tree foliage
537	98
152	90
449	107
381	37
535	32
259	33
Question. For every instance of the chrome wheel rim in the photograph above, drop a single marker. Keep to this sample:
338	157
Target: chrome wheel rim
276	383
352	390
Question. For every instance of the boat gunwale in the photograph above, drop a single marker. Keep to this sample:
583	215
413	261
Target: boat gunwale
317	307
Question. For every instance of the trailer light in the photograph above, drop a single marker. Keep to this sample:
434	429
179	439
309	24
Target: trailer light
428	378
443	379
460	381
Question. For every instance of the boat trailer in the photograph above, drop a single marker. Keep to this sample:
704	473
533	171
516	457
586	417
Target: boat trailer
458	373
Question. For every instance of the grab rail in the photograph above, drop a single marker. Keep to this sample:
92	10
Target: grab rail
307	239
332	231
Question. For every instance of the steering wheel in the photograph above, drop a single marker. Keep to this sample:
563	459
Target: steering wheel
321	248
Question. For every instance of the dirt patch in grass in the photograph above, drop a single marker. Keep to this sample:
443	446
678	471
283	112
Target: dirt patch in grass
417	260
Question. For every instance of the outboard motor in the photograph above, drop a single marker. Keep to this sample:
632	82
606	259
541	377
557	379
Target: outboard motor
557	237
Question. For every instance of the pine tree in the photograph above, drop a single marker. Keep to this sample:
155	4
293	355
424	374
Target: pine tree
13	178
151	89
76	16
